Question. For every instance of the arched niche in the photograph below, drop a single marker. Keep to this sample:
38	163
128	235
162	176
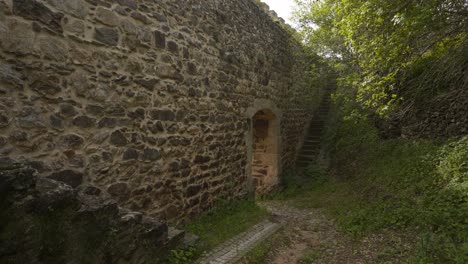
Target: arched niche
264	147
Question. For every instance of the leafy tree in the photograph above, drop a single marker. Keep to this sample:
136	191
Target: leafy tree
390	49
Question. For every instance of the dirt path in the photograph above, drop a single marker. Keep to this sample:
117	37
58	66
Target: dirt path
309	236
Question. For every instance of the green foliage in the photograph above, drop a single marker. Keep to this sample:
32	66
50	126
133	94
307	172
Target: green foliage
401	184
390	51
224	221
297	182
309	257
453	163
258	254
416	186
182	256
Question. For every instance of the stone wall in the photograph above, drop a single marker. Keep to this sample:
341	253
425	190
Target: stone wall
146	99
46	221
442	116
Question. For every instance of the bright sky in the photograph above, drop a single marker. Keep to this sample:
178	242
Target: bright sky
282	7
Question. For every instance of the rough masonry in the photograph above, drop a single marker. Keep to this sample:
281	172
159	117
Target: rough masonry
150	100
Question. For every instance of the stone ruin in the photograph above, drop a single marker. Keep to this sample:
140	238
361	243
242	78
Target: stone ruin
166	105
46	221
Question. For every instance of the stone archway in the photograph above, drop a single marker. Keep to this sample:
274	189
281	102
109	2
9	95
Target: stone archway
264	147
264	152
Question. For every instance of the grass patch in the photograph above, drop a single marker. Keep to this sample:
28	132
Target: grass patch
404	185
258	254
226	220
311	256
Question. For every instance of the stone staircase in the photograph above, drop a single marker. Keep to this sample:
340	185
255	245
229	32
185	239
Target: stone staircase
311	147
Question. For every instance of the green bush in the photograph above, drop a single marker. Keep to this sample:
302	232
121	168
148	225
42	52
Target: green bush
453	163
405	184
182	256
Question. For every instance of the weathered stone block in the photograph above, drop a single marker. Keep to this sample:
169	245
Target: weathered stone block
169	72
107	16
159	39
118	189
74	26
151	154
3	141
147	83
18	37
163	114
56	121
35	10
46	85
67	110
140	17
193	190
115	110
76	8
118	138
199	159
108	36
156	127
71	141
69	177
84	121
9	75
191	68
4	120
94	109
30	118
128	3
108	122
173	47
18	136
15	176
130	154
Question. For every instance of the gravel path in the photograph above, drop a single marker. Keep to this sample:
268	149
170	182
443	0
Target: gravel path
309	236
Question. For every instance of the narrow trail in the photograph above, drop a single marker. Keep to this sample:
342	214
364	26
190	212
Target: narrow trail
309	236
304	231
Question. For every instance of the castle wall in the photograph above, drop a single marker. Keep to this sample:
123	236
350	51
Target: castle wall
146	99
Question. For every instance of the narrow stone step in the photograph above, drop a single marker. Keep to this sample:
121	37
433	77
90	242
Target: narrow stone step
175	236
307	157
312	139
309	152
190	240
232	250
311	144
302	164
311	147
